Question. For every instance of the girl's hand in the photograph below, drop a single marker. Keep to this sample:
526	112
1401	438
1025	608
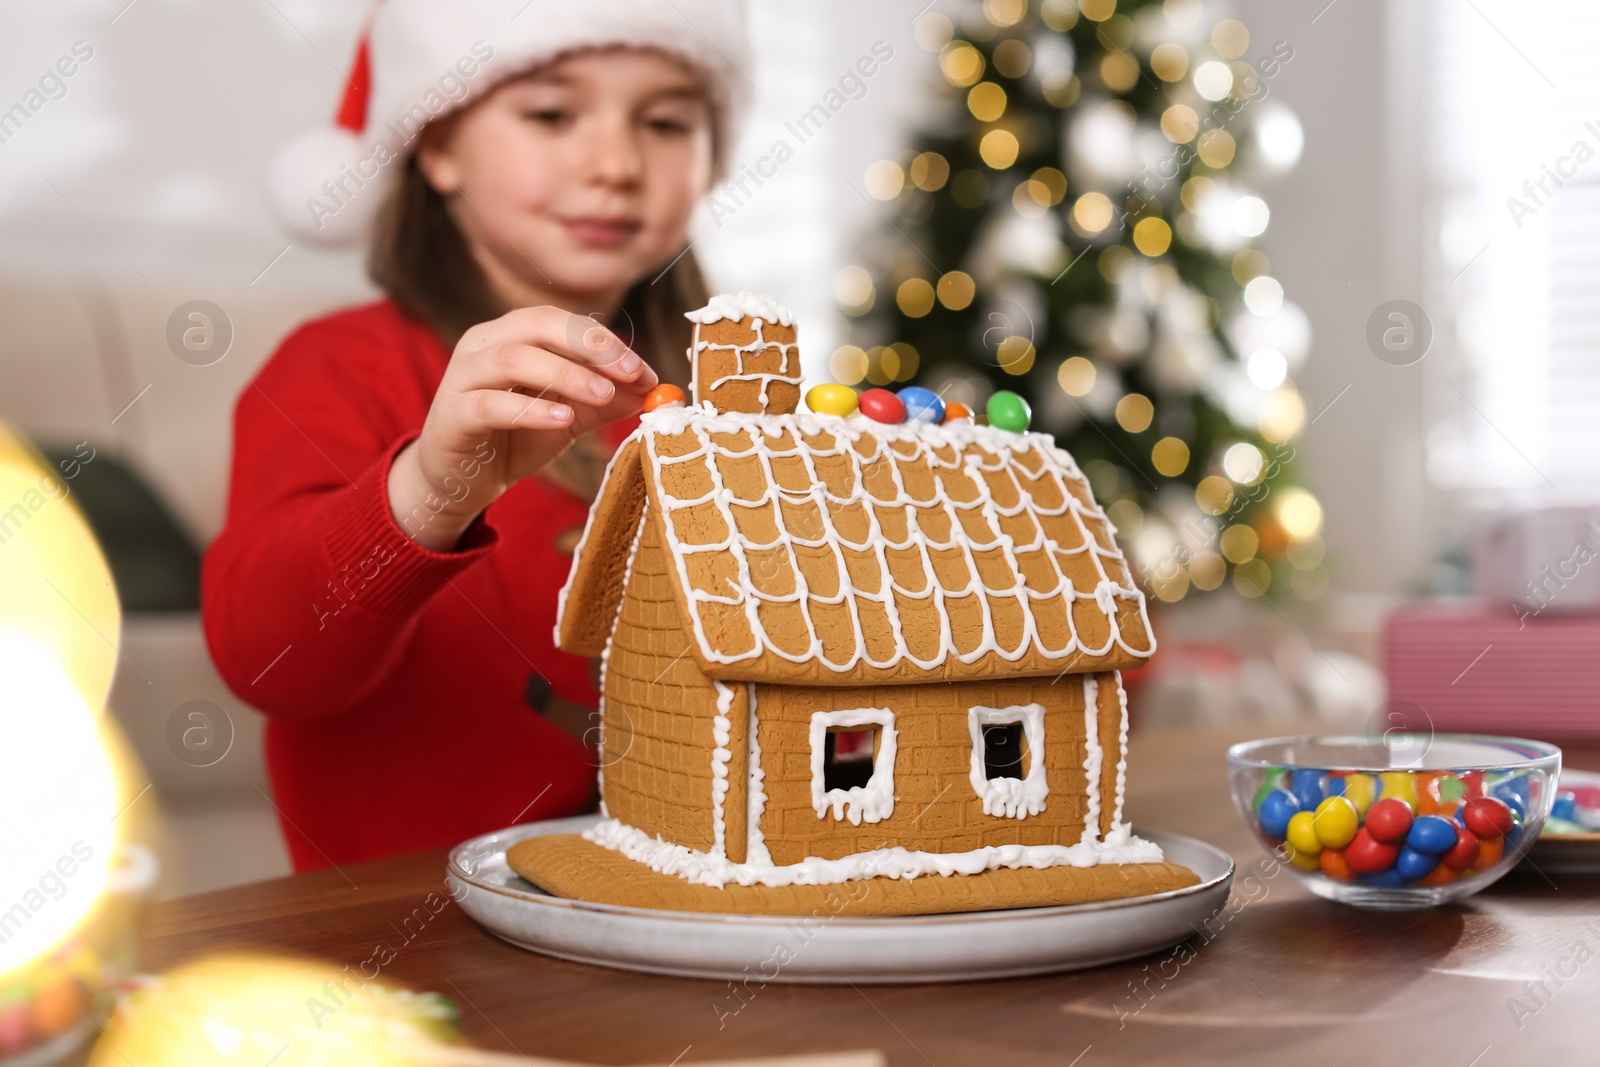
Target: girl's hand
519	390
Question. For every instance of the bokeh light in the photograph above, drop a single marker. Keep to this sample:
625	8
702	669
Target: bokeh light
1170	456
1152	236
1266	368
1169	62
885	179
1264	295
962	64
59	788
1135	412
986	101
1243	462
853	288
1299	512
956	290
1212	80
999	148
1092	213
929	171
1076	376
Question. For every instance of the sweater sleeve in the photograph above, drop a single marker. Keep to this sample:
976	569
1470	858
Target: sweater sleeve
312	591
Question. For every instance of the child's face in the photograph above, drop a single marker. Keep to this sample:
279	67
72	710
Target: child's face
580	177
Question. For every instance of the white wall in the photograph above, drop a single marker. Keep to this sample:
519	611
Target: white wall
1344	239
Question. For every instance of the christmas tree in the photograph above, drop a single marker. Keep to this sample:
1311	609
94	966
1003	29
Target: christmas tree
1073	224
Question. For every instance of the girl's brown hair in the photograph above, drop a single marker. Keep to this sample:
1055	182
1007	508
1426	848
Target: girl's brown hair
419	257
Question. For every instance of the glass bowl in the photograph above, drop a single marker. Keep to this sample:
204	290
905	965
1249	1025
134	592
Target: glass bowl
1399	821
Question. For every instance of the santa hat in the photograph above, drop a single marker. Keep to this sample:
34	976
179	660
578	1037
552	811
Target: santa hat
419	60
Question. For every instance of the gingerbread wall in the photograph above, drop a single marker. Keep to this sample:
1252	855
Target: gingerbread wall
936	809
659	714
738	371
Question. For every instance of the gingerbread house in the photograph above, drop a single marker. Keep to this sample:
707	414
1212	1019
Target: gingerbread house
834	648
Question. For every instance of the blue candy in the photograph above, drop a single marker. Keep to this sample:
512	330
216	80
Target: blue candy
1307	788
1414	866
1513	837
1277	808
922	405
1515	795
1336	787
1389	879
1565	807
1432	834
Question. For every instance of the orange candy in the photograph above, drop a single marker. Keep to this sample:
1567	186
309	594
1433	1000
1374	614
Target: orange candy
663	396
1490	849
1334	866
1429	802
1440	875
955	410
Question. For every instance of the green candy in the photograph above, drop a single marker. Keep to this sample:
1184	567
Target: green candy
1008	411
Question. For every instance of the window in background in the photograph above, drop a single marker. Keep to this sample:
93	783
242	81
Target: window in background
1512	151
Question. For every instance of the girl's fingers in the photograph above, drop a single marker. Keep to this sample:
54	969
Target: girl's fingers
574	337
497	409
539	372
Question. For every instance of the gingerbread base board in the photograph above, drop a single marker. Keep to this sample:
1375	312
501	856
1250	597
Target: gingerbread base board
566	865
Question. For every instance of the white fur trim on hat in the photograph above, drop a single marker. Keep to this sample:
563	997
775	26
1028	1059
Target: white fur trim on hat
431	57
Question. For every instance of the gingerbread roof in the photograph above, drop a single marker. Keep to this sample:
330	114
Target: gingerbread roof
824	551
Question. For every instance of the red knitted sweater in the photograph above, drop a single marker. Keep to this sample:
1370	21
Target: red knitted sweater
394	678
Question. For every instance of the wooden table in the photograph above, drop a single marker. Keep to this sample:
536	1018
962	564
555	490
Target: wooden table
1282	978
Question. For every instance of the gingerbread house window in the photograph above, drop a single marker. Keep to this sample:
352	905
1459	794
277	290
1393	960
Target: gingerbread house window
1008	771
852	764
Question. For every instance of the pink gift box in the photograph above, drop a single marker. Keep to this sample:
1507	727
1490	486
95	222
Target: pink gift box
1478	666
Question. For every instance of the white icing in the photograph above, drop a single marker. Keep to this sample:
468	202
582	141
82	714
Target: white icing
702	868
1093	757
1122	759
873	441
872	802
736	306
756	853
1011	798
721	733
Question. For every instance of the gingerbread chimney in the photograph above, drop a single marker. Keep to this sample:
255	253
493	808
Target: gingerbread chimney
743	356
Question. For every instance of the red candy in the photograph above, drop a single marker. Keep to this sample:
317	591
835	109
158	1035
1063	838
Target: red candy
880	405
1464	853
1388	820
1487	816
1366	855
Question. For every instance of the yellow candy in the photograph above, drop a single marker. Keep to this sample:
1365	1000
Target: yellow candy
1401	785
1306	861
831	399
1335	822
1361	790
1302	835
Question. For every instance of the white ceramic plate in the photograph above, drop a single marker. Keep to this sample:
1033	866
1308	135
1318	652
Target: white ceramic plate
921	948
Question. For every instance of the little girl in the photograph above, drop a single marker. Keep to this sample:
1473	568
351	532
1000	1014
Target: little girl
410	477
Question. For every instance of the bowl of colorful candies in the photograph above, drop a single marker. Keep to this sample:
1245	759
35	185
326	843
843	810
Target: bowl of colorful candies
1396	822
